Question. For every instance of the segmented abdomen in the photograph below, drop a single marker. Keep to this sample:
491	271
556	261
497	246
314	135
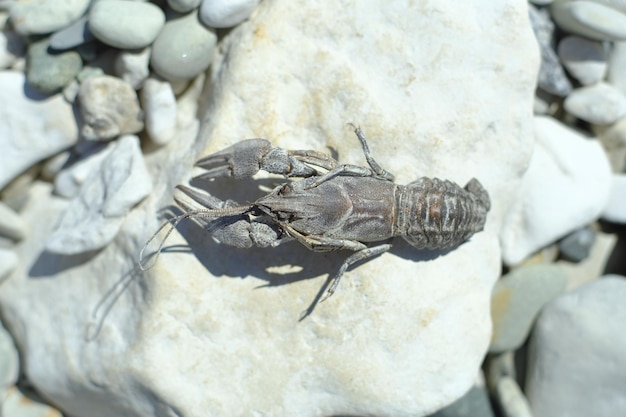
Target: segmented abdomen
438	214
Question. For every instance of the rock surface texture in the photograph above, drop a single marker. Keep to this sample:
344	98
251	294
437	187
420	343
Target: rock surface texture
213	330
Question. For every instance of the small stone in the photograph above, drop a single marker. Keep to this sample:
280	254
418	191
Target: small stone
183	6
11	47
133	66
159	104
109	107
9	361
49	72
598	104
126	24
512	401
70	180
32	128
551	78
516	301
53	165
76	34
613	139
616	76
226	13
474	403
96	214
11	224
577	245
586	60
183	49
593	267
577	354
589	19
615	210
44	16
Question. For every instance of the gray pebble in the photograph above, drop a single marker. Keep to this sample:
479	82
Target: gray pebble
589	19
577	245
516	300
183	6
474	403
11	48
226	13
585	59
600	104
109	107
126	24
183	49
11	224
49	72
76	34
45	16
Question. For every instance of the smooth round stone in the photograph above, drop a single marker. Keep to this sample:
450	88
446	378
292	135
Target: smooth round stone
512	401
615	210
76	34
226	13
517	299
589	19
50	72
109	107
133	66
159	104
126	24
183	49
577	245
183	6
45	16
586	60
600	104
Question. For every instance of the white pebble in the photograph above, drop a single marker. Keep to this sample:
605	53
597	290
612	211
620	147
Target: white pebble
11	224
45	16
585	60
8	262
616	76
599	104
133	66
126	24
226	13
565	187
589	19
70	180
109	107
159	104
615	210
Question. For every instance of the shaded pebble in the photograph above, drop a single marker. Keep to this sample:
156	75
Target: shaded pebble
159	105
125	24
613	140
8	262
70	179
11	47
11	224
576	357
576	246
615	210
516	300
551	76
474	403
616	76
183	6
598	104
584	59
17	404
70	91
109	107
9	361
511	399
76	34
546	255
589	19
49	72
31	128
593	266
133	66
96	214
541	2
54	165
183	49
226	13
565	187
497	366
45	16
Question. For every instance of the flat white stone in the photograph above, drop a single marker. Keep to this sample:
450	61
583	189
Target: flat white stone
33	127
126	24
133	66
576	358
44	16
565	187
159	105
11	224
589	19
226	13
95	216
599	104
69	181
615	210
216	330
586	60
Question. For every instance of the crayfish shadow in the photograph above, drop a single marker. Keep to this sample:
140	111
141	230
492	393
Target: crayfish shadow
403	249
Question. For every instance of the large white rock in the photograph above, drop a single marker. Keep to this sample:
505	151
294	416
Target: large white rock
216	330
566	187
32	127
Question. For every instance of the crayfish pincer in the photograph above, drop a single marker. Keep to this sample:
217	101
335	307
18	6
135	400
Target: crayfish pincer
332	207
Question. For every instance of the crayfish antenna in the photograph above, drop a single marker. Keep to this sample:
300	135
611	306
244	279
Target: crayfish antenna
173	222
